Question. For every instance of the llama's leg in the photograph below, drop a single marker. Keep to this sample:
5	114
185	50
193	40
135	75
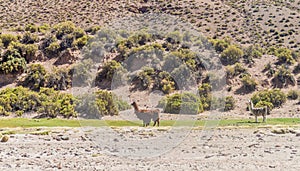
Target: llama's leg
154	123
264	118
157	122
256	118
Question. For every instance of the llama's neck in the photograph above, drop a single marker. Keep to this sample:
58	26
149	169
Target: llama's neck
251	106
135	106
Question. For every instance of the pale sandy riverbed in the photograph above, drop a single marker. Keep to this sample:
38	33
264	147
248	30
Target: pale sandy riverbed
128	148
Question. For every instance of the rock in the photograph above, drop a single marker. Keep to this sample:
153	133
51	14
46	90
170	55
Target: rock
279	131
298	135
65	138
4	138
292	131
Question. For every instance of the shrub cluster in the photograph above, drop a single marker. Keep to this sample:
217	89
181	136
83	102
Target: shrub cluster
37	77
276	97
189	103
101	103
150	78
185	103
293	94
47	101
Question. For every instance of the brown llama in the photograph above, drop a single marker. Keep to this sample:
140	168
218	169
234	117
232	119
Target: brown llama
146	115
260	111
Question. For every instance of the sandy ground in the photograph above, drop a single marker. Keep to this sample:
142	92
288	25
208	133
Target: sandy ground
163	148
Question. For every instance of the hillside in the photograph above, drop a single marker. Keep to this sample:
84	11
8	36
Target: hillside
186	45
264	22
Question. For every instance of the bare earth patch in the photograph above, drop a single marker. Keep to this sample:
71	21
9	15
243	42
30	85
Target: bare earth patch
219	149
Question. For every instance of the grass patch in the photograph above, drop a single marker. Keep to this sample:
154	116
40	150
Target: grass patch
26	123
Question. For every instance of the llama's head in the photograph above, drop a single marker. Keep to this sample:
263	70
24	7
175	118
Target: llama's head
133	103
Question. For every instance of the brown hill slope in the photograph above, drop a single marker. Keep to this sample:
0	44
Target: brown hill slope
247	22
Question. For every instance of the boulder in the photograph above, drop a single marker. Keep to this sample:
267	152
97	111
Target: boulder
4	138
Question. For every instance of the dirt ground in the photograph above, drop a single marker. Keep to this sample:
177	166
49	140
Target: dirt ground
164	148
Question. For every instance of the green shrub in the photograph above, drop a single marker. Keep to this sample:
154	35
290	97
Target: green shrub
29	38
12	62
144	78
204	89
31	28
53	49
297	69
231	55
265	103
284	55
283	77
275	96
293	94
66	42
185	103
249	83
19	98
165	82
26	51
19	113
105	103
48	102
59	79
3	112
43	28
93	30
64	28
7	39
35	77
229	103
188	56
174	37
101	103
111	71
235	70
81	74
54	103
47	41
220	45
252	52
80	42
78	33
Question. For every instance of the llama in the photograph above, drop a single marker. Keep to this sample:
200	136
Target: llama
258	111
146	115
